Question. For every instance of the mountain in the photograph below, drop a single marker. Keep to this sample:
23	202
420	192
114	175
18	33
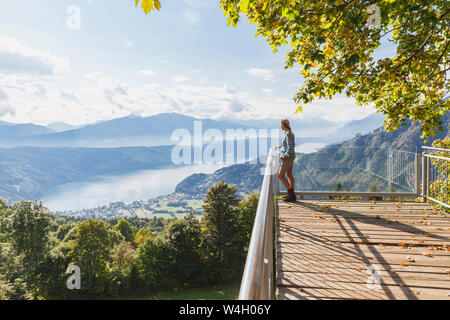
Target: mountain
247	177
27	172
4	123
61	127
157	130
313	127
361	126
356	165
128	131
10	131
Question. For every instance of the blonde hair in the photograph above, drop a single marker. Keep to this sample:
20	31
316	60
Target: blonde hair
286	124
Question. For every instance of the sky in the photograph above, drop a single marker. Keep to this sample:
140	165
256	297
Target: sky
115	61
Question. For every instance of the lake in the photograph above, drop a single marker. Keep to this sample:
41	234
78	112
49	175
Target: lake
97	191
101	190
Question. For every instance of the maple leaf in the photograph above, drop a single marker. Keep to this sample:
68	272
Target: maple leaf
149	5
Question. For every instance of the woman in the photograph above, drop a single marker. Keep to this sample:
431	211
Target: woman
287	155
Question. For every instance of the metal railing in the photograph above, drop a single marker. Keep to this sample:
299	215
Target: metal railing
394	172
435	177
257	280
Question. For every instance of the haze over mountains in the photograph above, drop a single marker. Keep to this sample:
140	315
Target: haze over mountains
35	158
356	164
157	130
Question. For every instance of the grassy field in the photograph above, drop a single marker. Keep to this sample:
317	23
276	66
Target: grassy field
163	205
226	292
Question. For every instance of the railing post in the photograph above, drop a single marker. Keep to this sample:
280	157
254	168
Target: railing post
424	178
427	167
277	181
418	157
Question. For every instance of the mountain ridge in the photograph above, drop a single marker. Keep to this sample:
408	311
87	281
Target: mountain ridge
332	165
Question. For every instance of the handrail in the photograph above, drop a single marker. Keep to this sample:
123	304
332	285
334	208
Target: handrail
257	280
435	149
435	184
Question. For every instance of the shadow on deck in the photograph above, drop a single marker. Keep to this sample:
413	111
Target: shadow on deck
350	249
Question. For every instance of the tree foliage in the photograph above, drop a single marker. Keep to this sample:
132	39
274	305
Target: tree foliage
91	252
221	234
37	249
335	41
125	230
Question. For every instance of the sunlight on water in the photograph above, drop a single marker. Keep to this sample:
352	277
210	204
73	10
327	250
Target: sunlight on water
309	147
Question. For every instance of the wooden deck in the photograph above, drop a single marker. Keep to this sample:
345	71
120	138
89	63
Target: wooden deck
334	249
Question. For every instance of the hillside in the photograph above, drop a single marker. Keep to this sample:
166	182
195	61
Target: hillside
362	126
11	131
357	165
27	171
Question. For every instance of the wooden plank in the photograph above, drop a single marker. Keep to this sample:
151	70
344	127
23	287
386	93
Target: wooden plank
329	257
441	279
286	293
346	249
355	281
384	230
387	258
310	237
355	268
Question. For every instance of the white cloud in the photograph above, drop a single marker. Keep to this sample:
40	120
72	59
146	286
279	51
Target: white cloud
127	43
179	79
16	58
147	73
102	97
267	91
191	17
266	74
199	3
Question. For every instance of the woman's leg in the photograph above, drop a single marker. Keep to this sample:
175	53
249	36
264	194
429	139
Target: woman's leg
283	180
291	178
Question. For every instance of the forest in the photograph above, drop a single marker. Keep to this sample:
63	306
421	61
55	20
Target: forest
120	258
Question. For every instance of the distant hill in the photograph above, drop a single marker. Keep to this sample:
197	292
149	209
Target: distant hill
61	127
10	131
356	165
4	123
157	130
128	131
247	177
27	172
312	127
362	126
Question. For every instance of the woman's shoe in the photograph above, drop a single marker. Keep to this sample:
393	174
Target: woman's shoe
290	197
